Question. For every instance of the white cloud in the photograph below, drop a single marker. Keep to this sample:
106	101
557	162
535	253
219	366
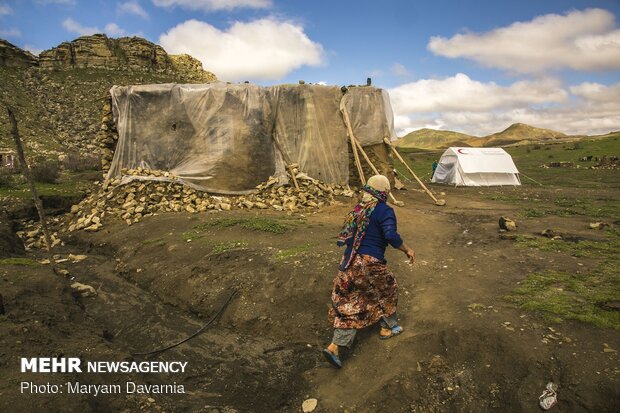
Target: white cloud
459	91
400	70
214	5
113	30
132	7
580	40
464	105
5	9
266	49
74	27
10	33
597	92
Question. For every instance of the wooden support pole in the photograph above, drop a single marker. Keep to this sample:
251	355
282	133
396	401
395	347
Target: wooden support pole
439	202
26	171
358	164
287	161
372	166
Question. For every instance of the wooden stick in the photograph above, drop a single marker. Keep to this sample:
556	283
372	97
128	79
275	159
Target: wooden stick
347	122
400	158
292	173
372	166
287	161
26	171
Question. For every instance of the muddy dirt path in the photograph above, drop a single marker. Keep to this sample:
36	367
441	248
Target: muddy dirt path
465	347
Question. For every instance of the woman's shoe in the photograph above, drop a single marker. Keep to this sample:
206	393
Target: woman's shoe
333	359
394	331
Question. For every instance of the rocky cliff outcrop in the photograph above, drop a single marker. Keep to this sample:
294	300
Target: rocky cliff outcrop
13	56
101	52
190	67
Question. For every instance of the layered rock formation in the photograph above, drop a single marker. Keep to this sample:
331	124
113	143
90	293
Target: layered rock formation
13	56
100	52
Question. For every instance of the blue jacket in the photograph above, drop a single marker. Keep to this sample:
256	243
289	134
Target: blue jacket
381	231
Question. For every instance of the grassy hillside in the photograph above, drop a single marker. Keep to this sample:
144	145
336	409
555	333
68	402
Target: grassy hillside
520	132
60	111
430	139
531	159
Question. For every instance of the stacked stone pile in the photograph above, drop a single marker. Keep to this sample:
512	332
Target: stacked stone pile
107	137
33	238
161	192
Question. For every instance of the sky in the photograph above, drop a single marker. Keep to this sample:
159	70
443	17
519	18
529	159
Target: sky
469	66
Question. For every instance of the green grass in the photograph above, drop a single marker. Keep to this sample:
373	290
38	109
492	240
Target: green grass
530	159
562	295
291	252
254	224
192	235
592	208
69	188
158	242
586	248
228	246
18	261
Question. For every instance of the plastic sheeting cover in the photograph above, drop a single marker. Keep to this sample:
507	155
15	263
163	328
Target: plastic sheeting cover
228	138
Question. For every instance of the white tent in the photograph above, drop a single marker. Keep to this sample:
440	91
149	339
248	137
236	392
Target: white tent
476	167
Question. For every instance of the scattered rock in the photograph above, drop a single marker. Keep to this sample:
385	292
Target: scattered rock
507	224
83	290
598	225
77	258
309	405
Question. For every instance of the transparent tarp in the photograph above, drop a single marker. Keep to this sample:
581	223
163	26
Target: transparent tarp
228	138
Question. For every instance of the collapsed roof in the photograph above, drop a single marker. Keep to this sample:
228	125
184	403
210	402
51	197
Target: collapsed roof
228	138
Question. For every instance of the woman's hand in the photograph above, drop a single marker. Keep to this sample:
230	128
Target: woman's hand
411	255
409	252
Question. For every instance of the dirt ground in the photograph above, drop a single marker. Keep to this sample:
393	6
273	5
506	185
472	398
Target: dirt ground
465	347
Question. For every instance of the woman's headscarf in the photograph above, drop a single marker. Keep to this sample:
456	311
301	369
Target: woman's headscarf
376	190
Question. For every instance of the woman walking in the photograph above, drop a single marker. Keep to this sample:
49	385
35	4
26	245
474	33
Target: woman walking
365	290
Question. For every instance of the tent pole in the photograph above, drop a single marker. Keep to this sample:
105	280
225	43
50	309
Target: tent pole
439	202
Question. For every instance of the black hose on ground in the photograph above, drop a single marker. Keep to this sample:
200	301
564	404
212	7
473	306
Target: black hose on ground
217	314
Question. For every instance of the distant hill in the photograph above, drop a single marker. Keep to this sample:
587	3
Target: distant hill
522	133
430	139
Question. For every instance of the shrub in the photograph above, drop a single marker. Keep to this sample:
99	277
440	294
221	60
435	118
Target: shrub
6	178
46	172
75	162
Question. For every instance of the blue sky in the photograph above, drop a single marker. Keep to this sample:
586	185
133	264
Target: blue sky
469	66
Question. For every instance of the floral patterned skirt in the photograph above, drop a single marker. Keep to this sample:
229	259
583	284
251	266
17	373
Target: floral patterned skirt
363	293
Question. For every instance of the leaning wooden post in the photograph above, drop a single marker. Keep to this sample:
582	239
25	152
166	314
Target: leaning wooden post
372	166
439	202
358	164
26	171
